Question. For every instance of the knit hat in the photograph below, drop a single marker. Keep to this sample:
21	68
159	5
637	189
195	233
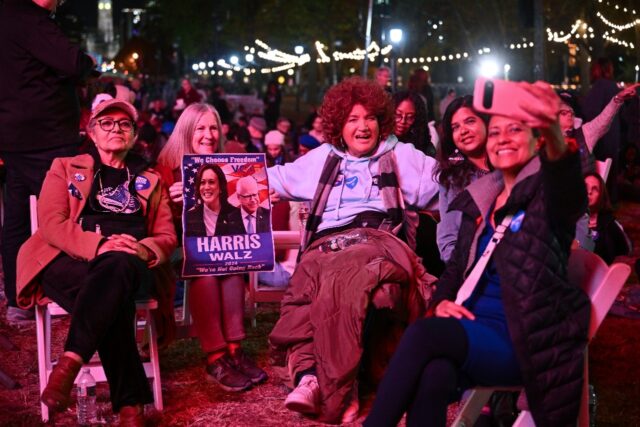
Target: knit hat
274	137
309	142
258	123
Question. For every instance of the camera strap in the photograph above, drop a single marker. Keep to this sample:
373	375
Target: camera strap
472	279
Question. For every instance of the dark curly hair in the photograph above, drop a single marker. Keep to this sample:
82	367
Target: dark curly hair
447	173
341	98
222	184
418	133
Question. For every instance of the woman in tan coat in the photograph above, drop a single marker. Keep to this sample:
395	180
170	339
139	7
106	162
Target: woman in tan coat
105	224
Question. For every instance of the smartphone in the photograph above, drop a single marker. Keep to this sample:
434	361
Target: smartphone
502	98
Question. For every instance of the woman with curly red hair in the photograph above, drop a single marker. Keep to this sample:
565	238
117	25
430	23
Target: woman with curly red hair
364	186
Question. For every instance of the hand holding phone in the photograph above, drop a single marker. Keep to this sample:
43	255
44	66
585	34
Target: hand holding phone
530	103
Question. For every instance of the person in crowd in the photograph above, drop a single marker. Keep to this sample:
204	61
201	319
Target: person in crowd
498	332
158	111
188	94
276	154
603	89
217	302
284	127
383	76
462	159
252	217
411	122
609	236
148	142
257	128
361	184
316	130
219	102
629	177
105	231
411	127
420	82
211	214
306	144
39	116
588	134
444	103
272	100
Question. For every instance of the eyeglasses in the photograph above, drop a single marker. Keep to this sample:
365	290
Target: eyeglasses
248	196
405	117
108	124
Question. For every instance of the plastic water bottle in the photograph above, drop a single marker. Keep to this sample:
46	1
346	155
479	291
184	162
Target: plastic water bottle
87	410
593	405
343	241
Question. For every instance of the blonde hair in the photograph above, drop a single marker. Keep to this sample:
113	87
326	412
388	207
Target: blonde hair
179	142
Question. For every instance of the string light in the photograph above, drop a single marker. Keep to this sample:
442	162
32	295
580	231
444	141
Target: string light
276	55
612	39
618	27
322	57
561	37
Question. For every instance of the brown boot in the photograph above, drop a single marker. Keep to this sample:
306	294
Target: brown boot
58	390
132	416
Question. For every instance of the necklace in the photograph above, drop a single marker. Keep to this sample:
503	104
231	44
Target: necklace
109	203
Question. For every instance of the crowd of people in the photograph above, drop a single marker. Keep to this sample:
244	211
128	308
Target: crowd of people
508	196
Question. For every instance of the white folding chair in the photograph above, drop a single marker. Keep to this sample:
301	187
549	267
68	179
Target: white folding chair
144	319
603	168
281	240
602	283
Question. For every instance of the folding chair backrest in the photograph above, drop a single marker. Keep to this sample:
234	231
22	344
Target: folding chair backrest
43	337
600	281
33	213
603	167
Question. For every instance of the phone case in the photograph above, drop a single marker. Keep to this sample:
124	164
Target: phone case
502	98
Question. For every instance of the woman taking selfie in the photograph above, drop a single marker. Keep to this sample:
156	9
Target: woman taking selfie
520	322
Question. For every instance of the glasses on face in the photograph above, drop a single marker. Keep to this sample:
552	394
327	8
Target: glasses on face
409	118
248	196
108	124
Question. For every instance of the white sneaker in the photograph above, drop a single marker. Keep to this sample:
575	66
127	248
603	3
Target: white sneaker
304	398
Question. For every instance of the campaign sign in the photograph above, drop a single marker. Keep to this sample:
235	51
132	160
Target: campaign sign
226	216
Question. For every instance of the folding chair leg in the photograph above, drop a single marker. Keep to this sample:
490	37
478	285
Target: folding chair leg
524	420
583	416
472	407
155	361
44	356
253	305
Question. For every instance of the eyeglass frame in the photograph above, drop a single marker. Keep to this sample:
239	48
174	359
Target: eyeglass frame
410	118
249	196
119	123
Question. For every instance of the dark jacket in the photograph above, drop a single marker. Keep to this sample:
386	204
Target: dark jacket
548	317
39	70
225	226
263	220
611	240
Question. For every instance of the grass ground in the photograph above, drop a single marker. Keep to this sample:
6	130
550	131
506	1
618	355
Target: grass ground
191	401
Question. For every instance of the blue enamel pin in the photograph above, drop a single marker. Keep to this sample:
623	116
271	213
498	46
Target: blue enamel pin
142	183
516	222
79	177
73	190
